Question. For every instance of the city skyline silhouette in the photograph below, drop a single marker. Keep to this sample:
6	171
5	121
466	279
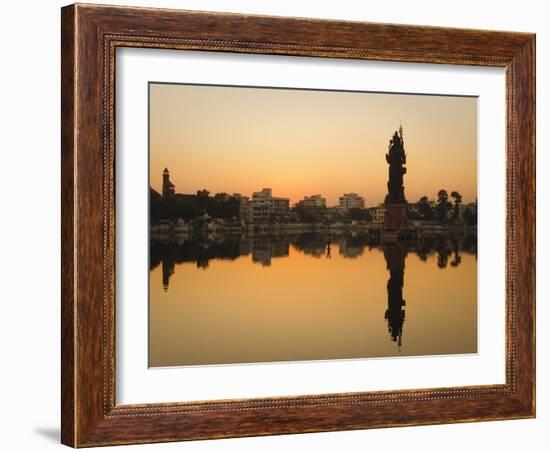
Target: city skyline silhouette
304	142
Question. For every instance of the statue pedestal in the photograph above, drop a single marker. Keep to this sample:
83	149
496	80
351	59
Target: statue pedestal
396	225
396	217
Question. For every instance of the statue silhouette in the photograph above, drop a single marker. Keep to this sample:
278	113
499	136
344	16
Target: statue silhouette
396	158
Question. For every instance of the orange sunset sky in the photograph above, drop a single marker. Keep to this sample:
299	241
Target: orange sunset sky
304	142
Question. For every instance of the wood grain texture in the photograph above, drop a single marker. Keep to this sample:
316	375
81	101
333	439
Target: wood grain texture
67	224
90	36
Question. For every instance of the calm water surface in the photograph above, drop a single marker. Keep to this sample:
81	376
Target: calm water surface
310	297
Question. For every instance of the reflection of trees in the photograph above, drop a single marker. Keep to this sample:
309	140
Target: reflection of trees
445	247
193	251
353	246
311	243
318	244
263	248
457	259
443	257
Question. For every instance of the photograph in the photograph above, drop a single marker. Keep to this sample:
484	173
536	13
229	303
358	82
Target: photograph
277	224
294	224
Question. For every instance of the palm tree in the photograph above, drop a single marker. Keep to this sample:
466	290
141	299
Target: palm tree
456	210
443	206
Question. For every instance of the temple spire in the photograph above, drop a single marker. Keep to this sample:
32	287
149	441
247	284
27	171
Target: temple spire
168	188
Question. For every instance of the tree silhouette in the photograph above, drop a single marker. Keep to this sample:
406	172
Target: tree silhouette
203	193
470	215
425	210
357	213
443	206
202	198
457	197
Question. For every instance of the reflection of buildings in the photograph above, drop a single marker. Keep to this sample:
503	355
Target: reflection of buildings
350	248
351	201
395	314
245	245
311	244
264	249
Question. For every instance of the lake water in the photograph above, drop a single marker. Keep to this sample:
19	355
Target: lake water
310	297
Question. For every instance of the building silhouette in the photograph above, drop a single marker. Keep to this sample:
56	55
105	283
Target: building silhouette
168	188
312	202
351	201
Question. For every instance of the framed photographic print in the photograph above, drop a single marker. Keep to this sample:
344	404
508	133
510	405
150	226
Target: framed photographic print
281	225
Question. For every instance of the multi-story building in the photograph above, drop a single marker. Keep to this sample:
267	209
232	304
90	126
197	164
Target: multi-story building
378	213
351	201
313	201
264	207
244	208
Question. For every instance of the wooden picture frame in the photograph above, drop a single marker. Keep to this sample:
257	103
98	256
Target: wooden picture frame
90	35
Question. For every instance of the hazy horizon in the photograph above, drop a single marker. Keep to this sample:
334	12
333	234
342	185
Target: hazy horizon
305	142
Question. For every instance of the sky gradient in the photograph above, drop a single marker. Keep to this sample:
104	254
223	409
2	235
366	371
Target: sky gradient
304	142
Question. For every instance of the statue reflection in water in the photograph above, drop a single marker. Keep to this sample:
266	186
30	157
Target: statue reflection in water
446	250
395	314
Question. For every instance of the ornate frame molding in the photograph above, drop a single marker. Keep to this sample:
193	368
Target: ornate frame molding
90	37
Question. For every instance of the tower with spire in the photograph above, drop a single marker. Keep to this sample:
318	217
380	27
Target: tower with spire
168	188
